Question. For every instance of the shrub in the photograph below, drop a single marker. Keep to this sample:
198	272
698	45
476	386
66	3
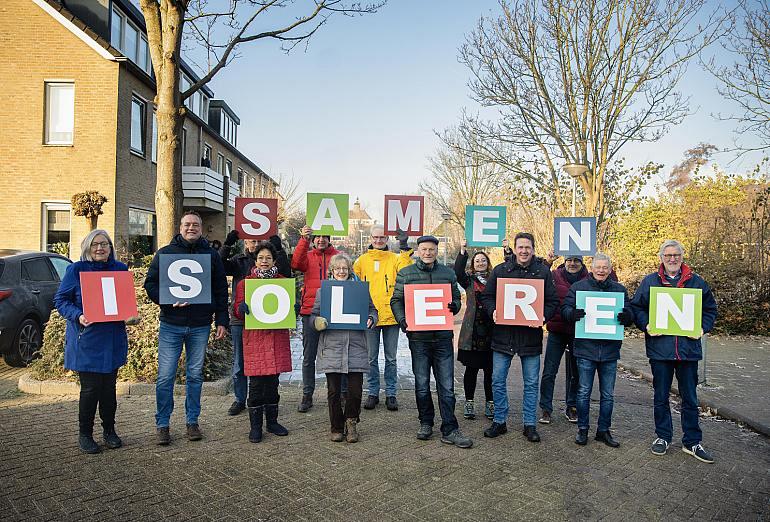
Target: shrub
142	363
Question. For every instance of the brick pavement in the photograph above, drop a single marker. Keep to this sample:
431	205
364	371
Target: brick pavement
389	475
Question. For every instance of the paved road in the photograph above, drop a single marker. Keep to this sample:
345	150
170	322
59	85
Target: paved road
389	475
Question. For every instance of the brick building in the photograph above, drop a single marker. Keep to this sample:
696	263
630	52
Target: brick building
81	117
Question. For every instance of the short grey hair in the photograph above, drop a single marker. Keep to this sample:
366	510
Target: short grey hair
671	243
339	259
85	246
376	227
599	256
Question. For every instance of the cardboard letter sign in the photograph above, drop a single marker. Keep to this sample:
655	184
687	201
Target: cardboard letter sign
404	213
484	226
271	304
676	311
256	218
185	278
327	214
574	236
602	310
108	296
426	307
345	304
520	302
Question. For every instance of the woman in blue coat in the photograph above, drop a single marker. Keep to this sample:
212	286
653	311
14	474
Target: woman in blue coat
94	350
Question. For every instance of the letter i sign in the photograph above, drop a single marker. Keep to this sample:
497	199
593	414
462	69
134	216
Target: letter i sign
108	296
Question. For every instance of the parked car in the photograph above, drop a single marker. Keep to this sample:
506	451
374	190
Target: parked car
28	283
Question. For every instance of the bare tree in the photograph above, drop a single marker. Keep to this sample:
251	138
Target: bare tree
747	80
290	196
221	27
574	81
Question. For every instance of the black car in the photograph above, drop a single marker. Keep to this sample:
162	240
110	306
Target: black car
28	283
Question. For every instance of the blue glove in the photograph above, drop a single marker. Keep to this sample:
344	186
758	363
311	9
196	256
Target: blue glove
243	308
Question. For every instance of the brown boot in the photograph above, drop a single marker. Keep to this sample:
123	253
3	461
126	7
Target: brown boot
337	437
351	435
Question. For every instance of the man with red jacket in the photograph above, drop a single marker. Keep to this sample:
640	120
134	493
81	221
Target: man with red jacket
314	263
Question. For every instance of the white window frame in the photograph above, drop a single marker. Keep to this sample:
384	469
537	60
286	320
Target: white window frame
47	112
143	126
141	36
154	138
52	205
220	161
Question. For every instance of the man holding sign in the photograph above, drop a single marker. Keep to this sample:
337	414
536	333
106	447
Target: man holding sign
430	336
185	324
662	320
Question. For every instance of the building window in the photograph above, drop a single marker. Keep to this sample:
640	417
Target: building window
143	58
56	228
229	169
154	144
220	164
59	113
241	188
204	108
137	125
251	192
141	232
116	33
206	159
130	40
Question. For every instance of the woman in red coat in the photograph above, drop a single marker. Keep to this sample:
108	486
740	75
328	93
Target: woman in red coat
266	353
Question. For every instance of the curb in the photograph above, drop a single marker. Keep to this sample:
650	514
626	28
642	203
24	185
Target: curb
29	385
723	411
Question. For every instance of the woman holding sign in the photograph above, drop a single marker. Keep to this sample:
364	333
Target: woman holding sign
342	352
266	353
94	350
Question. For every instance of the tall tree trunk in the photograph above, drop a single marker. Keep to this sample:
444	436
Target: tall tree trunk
92	221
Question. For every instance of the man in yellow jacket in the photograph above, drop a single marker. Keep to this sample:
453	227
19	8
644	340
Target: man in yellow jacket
379	267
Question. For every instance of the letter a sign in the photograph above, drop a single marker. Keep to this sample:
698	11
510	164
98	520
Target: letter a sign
256	218
185	278
404	213
327	214
574	236
676	311
108	296
520	302
271	304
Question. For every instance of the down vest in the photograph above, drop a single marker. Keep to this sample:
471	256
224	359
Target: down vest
265	352
379	268
315	265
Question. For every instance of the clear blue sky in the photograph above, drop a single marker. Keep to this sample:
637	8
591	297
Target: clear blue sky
356	112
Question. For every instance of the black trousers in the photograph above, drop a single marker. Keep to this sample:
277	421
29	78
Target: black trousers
263	389
97	389
334	382
469	382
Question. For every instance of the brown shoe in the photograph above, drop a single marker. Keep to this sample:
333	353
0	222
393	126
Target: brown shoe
337	437
162	436
194	432
351	435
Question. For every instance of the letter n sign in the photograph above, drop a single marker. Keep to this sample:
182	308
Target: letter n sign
520	302
185	278
574	236
256	218
676	311
405	213
108	296
327	214
426	307
271	304
345	304
484	226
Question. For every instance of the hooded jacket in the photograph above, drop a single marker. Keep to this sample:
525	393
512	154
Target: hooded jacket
379	268
557	324
194	314
315	265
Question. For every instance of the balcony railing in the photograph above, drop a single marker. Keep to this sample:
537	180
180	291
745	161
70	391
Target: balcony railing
203	189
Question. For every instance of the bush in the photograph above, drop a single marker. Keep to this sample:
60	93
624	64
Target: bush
142	363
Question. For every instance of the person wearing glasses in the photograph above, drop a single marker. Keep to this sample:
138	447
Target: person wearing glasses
675	355
340	353
94	350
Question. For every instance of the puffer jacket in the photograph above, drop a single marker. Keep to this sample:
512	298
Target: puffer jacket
599	350
476	330
557	324
379	268
99	347
342	351
265	352
315	265
420	273
673	347
519	340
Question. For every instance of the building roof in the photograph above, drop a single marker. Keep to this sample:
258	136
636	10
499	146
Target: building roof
357	212
221	104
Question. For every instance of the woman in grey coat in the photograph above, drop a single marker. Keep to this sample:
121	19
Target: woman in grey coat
342	352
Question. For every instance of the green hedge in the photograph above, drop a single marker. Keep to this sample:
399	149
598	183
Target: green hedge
142	364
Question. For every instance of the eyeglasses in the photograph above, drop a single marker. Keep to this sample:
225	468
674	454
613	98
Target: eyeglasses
101	244
340	269
672	256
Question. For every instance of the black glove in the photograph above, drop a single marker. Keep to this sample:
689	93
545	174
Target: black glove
243	308
402	324
578	314
403	239
231	238
452	307
625	318
276	242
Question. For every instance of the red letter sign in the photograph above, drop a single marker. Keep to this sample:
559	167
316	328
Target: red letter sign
405	213
108	296
256	218
426	307
520	302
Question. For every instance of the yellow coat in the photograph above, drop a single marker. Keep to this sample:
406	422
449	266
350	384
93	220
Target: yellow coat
379	268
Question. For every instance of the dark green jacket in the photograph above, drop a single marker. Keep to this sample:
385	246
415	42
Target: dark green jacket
419	274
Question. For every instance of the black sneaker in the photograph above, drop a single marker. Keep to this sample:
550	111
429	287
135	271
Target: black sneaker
699	453
571	414
425	431
458	439
371	402
531	433
236	408
659	447
111	439
606	437
162	436
88	444
582	437
306	404
495	430
391	403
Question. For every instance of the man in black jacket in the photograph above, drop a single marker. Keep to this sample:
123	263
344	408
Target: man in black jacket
524	341
185	324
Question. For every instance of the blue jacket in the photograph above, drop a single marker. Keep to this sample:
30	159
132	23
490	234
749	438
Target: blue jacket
673	347
100	347
599	350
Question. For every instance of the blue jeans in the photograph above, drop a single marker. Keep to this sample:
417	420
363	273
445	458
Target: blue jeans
558	344
687	377
607	371
530	369
390	342
240	383
171	337
438	355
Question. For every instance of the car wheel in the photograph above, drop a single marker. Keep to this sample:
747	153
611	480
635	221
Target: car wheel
26	344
